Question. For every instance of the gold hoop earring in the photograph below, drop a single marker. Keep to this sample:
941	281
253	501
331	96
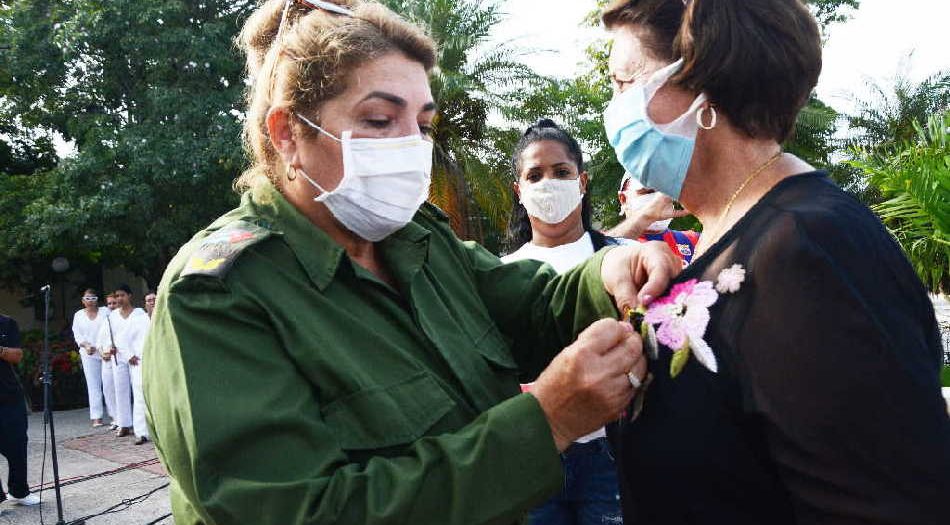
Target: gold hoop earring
712	121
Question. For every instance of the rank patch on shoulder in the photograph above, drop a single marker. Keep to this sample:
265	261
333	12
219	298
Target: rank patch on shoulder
218	251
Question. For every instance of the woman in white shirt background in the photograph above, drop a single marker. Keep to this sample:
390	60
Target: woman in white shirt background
86	325
552	223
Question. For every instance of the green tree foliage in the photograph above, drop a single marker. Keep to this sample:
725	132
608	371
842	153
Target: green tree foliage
914	180
894	113
829	12
148	94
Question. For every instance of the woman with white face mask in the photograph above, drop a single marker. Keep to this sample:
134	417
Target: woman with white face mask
795	379
551	223
551	218
329	351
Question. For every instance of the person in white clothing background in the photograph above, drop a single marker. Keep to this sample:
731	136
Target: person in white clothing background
142	324
118	335
86	325
552	223
108	370
150	303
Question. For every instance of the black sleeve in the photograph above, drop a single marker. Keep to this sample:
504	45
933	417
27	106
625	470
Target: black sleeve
845	390
11	333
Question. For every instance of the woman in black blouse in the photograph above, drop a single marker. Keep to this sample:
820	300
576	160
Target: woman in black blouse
796	377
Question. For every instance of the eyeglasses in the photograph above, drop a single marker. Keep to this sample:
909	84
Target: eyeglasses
90	298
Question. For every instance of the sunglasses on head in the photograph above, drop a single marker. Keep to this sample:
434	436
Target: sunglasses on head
312	4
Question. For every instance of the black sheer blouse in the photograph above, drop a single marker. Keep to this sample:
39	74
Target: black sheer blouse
826	407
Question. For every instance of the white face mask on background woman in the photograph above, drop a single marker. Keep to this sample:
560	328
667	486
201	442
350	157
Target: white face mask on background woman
384	183
551	200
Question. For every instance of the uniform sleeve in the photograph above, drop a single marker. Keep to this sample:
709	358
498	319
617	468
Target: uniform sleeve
540	311
242	432
847	395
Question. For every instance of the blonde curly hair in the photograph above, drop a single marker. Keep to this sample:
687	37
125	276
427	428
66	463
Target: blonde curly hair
311	62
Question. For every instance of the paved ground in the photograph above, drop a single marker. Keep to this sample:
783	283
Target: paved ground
85	451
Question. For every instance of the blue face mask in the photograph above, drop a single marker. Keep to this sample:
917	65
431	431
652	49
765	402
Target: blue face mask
658	155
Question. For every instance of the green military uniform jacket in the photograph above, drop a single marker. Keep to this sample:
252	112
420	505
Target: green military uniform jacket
287	385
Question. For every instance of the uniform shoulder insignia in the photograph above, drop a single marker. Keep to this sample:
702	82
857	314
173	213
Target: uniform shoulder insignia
218	251
434	211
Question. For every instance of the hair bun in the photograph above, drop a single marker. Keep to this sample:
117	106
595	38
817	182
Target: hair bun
541	124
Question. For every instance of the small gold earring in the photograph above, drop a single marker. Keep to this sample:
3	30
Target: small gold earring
289	170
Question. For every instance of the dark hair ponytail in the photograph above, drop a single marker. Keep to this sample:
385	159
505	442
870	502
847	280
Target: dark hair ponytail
519	225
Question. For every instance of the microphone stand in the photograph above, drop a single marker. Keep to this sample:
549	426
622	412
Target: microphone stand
48	406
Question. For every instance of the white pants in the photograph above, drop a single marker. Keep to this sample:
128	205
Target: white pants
108	387
92	369
138	402
123	392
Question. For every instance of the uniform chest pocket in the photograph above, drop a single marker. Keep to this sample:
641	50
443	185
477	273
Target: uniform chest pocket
495	349
389	415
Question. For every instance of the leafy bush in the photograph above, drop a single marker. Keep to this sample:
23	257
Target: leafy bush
914	180
69	390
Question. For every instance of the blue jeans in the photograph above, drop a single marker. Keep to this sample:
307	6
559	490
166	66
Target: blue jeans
590	495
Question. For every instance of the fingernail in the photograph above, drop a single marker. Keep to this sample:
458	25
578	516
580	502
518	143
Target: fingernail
646	299
627	327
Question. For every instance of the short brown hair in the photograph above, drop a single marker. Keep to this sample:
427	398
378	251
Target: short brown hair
312	63
660	21
757	60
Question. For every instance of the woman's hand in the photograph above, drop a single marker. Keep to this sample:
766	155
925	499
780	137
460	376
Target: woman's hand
639	218
636	274
586	385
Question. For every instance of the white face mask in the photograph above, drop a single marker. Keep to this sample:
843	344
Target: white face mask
551	200
384	183
637	202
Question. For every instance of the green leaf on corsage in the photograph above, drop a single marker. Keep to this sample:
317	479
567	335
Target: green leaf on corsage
680	357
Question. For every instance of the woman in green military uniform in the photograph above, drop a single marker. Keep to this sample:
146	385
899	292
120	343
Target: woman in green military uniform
329	352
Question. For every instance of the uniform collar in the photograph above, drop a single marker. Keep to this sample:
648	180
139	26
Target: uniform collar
319	254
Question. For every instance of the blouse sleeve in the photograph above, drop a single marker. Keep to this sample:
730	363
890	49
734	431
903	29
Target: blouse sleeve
78	333
839	369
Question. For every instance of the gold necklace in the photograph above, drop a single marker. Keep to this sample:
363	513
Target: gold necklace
725	214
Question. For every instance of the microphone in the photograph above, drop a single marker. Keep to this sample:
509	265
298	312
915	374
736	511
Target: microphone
45	288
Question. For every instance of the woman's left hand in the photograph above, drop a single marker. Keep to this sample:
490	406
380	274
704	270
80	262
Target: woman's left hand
636	274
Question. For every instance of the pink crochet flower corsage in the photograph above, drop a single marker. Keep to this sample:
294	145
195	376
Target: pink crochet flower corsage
680	318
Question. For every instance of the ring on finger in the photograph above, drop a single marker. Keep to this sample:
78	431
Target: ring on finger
635	381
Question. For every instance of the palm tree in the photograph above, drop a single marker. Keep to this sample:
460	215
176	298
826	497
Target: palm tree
914	180
471	82
892	116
